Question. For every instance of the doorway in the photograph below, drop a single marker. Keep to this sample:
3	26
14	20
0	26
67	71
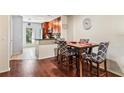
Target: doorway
21	34
29	36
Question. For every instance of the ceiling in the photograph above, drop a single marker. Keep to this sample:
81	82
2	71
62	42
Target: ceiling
39	18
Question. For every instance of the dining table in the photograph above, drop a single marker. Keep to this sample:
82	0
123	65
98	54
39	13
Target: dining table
80	47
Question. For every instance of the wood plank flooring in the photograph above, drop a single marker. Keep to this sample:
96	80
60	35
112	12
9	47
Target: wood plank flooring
41	68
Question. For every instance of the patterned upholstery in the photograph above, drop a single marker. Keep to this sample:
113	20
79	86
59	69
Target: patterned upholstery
85	51
67	55
65	49
84	40
59	43
58	40
101	55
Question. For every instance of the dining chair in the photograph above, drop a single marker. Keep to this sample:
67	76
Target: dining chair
66	55
59	39
59	43
85	41
98	58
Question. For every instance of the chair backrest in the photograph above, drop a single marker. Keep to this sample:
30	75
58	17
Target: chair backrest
61	43
84	40
63	48
58	40
102	51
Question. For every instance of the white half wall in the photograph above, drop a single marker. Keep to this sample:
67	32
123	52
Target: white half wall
4	43
46	51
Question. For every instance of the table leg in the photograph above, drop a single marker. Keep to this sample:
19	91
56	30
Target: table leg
57	54
81	63
81	72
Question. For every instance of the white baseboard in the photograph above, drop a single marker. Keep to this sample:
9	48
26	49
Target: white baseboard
46	57
117	73
4	69
114	72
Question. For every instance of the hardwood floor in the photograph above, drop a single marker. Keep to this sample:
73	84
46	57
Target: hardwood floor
41	68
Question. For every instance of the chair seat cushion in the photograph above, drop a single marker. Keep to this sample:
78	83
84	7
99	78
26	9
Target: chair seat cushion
93	57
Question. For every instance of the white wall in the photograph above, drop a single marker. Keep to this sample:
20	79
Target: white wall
4	43
17	34
104	28
64	27
70	27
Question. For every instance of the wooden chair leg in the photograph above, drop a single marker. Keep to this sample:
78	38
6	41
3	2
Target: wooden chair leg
57	54
77	63
58	58
98	70
66	62
105	67
87	67
70	61
90	68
